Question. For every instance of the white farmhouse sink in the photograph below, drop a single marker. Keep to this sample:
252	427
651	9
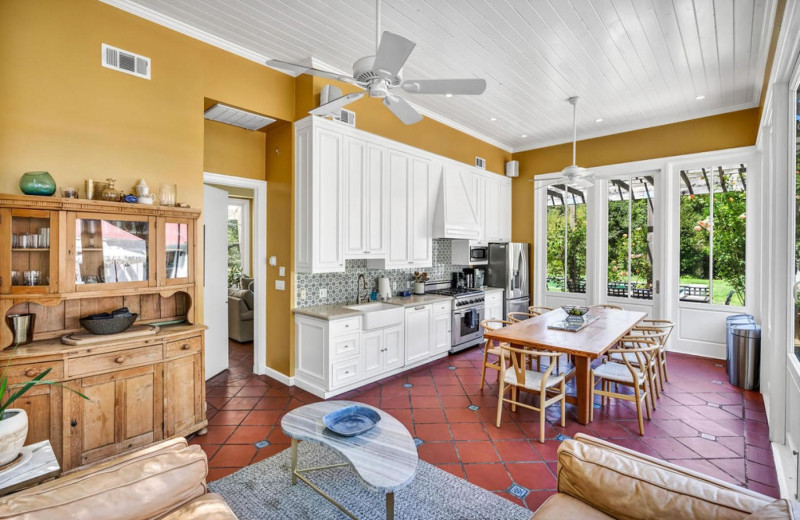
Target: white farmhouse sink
378	314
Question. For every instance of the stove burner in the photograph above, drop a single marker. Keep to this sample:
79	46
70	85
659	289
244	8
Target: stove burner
458	292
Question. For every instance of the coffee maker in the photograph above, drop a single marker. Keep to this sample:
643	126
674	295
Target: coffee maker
458	280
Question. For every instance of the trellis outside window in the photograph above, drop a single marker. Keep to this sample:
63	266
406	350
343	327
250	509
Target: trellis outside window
566	239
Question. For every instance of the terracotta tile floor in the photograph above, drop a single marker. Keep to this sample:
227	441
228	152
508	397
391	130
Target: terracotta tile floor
701	422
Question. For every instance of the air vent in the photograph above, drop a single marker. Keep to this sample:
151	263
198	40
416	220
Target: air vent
347	117
124	61
480	162
237	117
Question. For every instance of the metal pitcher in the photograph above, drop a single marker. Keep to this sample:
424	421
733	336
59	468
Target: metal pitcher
21	327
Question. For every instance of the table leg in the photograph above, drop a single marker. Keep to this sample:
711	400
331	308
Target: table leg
583	366
390	506
294	461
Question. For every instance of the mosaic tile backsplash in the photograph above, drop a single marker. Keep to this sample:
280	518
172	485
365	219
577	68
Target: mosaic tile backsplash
342	286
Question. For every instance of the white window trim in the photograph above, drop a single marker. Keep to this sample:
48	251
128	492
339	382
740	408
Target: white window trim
244	232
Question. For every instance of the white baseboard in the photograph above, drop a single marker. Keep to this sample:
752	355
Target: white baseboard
278	376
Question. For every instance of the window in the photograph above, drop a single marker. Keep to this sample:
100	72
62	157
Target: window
630	237
238	240
566	239
797	229
713	234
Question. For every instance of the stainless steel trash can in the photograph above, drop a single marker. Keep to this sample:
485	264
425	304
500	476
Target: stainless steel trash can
745	361
730	321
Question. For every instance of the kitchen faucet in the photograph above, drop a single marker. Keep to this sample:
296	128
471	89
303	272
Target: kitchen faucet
362	284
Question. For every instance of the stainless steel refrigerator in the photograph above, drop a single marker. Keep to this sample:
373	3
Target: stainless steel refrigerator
509	268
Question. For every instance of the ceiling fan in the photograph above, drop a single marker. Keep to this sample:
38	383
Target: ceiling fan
573	175
381	73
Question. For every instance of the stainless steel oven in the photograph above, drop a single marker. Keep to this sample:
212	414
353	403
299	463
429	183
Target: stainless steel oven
467	330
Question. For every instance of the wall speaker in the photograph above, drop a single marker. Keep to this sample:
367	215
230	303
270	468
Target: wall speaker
512	169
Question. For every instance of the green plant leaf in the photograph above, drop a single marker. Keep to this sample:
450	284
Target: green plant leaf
25	387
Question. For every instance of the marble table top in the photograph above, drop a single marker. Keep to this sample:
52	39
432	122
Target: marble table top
40	465
385	457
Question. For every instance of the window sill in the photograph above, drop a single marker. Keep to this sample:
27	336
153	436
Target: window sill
732	309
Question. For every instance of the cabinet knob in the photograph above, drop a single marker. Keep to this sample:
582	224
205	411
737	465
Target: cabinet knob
185	346
120	359
31	372
74	423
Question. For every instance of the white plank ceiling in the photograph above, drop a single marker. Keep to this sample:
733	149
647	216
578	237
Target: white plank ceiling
634	63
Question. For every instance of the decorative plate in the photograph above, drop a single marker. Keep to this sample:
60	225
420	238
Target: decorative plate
351	420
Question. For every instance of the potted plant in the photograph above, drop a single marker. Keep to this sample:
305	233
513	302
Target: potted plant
14	421
419	282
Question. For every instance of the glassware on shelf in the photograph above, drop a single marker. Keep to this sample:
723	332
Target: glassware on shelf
32	277
16	279
68	192
167	194
88	188
110	193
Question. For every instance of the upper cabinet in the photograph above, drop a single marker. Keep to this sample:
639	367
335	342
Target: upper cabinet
175	248
29	255
456	214
365	196
497	218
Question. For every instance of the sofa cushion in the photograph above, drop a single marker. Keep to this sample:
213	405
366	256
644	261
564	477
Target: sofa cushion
779	510
206	507
561	506
143	485
243	294
630	486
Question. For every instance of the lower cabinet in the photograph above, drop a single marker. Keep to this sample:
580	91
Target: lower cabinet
442	327
493	302
418	333
382	350
183	386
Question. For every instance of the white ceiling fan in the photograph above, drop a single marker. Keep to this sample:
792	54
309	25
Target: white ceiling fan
380	73
573	175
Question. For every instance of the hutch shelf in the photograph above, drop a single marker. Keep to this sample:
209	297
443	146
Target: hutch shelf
63	259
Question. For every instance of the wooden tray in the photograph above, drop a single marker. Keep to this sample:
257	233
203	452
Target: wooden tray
87	338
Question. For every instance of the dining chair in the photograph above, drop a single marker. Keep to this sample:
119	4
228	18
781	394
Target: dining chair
653	373
607	306
538	309
650	326
516	317
490	349
516	377
642	348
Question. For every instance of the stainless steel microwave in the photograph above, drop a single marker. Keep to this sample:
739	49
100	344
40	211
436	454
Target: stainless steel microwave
470	252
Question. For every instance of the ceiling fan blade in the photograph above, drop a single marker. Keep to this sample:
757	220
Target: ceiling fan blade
583	182
302	69
400	107
393	52
541	184
333	107
472	86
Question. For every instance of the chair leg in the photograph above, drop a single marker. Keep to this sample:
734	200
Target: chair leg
483	368
653	390
639	410
514	398
591	408
564	403
666	374
541	419
648	394
500	393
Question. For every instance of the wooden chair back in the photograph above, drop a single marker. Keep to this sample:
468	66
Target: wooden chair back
538	309
521	359
516	317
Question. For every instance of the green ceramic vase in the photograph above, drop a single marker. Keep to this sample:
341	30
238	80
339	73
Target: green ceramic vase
37	183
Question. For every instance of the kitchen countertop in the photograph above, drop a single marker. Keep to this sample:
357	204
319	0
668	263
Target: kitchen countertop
492	289
338	311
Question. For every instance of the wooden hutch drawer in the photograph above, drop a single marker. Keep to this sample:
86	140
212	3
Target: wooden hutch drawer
114	360
184	346
22	373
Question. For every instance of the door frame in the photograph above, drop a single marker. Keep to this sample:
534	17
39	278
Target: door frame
259	267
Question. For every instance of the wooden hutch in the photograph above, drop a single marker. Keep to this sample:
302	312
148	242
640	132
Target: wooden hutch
63	259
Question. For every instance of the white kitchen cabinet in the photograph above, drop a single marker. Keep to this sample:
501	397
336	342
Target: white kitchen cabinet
497	204
505	215
319	180
365	196
418	332
441	327
382	350
456	211
493	304
421	237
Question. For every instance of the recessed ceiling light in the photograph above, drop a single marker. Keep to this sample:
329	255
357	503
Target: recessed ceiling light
492	119
700	97
448	95
598	120
524	135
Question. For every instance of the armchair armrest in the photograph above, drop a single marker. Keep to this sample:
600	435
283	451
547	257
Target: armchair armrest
628	485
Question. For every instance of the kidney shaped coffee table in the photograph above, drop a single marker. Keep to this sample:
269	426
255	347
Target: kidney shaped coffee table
385	458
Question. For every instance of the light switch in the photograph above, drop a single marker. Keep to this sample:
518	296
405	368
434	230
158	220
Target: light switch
281	271
323	293
280	285
273	261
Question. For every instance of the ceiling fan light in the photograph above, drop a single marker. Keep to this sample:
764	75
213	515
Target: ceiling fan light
448	95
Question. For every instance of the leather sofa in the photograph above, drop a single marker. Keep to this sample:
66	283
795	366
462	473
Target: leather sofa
166	481
240	315
598	480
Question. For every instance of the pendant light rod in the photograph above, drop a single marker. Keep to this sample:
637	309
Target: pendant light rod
574	102
377	25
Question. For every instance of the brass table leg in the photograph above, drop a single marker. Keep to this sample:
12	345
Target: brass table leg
390	506
294	461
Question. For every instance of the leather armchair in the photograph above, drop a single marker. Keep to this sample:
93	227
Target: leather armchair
164	481
240	315
600	480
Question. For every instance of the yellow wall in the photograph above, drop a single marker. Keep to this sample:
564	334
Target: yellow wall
428	134
231	150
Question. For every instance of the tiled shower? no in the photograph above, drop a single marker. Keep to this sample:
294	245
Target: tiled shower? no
342	286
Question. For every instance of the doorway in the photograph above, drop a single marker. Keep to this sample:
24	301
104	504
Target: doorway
235	275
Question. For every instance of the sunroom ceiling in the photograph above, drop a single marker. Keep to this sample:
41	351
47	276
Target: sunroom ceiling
635	63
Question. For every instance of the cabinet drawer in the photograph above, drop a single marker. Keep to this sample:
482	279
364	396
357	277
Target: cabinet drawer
344	373
493	297
22	373
114	360
343	347
184	346
441	308
345	326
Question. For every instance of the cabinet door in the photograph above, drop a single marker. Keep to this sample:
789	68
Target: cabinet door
494	311
494	209
505	210
123	413
183	402
398	253
393	347
421	237
30	256
441	333
355	198
375	216
175	250
478	201
372	352
418	333
43	405
328	240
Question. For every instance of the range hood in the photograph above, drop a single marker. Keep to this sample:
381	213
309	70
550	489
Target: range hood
456	214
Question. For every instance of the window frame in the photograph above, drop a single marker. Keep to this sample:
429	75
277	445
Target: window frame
586	198
244	231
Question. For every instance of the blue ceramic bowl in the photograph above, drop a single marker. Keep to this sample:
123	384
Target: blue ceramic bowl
351	420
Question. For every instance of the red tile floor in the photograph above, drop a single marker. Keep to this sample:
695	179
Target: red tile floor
701	422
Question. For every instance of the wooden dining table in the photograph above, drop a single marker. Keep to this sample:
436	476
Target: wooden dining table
585	345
